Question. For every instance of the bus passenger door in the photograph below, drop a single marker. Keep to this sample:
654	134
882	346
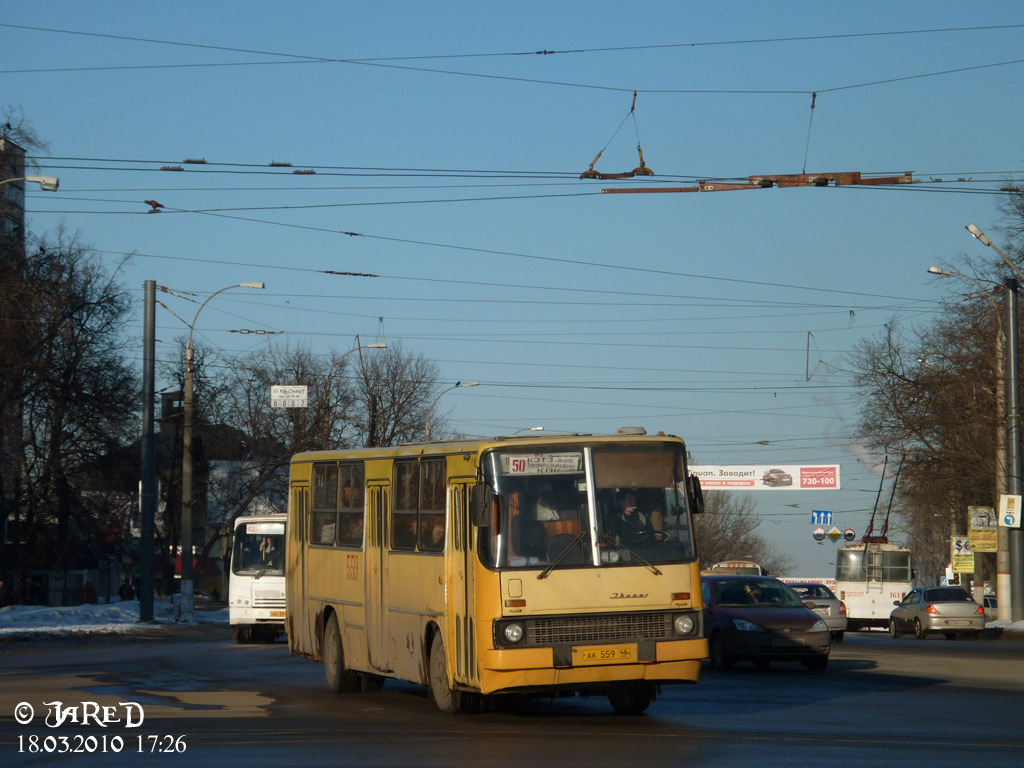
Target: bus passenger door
296	621
376	609
460	577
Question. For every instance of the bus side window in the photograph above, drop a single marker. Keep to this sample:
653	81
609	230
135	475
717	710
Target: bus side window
323	527
404	528
433	485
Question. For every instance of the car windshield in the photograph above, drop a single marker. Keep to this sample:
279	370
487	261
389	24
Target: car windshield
541	518
946	595
755	592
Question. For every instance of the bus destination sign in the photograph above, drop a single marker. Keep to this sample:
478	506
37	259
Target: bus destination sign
564	463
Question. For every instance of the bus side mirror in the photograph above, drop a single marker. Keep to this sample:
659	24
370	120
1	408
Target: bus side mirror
481	504
696	495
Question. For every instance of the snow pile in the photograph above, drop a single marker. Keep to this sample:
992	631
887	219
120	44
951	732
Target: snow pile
78	619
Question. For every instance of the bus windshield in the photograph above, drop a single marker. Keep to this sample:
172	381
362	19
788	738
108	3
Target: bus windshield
549	503
258	549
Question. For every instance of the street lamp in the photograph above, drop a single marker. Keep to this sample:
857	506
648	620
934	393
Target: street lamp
330	371
187	604
1014	536
47	183
458	385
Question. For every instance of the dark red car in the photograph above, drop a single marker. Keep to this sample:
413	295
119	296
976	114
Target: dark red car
775	477
760	619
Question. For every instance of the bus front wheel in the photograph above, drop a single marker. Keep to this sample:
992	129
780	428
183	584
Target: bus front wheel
631	698
339	679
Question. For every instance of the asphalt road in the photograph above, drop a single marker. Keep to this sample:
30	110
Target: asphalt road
205	701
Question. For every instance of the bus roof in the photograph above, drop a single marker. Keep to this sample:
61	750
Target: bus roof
478	445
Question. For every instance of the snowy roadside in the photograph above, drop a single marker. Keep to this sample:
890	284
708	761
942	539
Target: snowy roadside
113	618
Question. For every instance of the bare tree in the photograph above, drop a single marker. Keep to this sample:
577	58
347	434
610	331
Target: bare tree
74	394
931	394
727	530
393	394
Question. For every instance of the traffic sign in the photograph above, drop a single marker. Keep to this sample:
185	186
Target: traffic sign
1009	511
821	517
849	534
819	534
834	534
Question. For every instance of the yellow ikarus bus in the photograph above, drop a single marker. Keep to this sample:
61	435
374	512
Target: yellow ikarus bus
550	566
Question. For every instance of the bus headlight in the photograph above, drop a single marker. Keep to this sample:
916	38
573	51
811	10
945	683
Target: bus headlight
513	632
684	624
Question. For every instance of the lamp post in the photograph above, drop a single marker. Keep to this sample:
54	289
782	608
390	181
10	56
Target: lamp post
47	183
1015	536
187	588
458	385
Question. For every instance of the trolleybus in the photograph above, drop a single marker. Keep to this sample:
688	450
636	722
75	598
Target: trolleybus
870	575
495	566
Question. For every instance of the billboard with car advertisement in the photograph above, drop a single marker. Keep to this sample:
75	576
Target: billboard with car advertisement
767	477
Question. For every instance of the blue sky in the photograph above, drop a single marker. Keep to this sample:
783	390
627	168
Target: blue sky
453	153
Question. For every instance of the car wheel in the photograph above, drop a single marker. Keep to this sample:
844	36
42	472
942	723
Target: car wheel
719	658
631	698
893	630
816	663
919	629
837	637
339	679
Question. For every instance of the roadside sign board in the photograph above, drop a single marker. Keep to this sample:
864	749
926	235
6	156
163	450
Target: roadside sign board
1009	510
961	554
983	533
288	396
768	477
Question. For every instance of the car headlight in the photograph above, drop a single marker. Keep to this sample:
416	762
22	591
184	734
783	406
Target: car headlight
746	626
819	626
684	624
513	632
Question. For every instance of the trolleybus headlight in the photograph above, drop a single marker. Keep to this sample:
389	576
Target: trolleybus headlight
513	632
684	624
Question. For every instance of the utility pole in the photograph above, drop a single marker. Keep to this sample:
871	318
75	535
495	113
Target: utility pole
147	495
1014	484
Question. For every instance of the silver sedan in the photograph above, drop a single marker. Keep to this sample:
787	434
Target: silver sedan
949	610
823	602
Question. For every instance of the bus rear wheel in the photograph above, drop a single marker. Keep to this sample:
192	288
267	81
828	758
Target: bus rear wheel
631	698
440	691
339	679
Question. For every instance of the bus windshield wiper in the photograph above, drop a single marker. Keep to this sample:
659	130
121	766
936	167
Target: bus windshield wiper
561	555
605	537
